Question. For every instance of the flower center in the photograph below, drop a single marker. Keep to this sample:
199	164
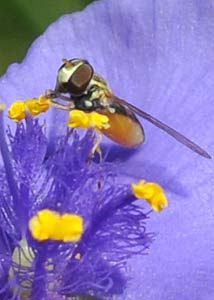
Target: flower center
22	257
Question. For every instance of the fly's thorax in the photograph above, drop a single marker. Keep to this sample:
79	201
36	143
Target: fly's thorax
88	102
99	90
100	83
95	97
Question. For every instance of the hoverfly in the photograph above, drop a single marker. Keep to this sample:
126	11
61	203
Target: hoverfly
89	92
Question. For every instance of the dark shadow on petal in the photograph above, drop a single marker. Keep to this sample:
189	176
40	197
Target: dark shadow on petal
143	168
156	173
113	152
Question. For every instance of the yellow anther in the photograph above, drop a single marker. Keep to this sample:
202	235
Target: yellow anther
17	111
49	224
37	105
72	227
99	121
152	193
78	118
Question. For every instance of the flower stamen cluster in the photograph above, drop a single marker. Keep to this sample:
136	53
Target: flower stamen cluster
19	109
79	224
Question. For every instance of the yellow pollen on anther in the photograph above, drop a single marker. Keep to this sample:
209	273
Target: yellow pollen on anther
78	118
99	121
152	193
49	224
34	107
17	111
37	105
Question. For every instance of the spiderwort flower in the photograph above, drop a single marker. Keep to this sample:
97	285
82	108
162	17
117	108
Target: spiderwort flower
159	56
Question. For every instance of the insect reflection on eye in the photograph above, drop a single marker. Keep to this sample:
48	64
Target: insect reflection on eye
88	91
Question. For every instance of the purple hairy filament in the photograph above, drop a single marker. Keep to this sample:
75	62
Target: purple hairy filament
68	225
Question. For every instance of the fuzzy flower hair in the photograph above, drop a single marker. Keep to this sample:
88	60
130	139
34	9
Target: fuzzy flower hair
100	226
157	55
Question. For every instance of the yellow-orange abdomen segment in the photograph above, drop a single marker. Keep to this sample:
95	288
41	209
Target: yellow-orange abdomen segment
124	130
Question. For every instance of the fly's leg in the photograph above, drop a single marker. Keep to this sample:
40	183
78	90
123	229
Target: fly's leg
53	95
96	148
67	107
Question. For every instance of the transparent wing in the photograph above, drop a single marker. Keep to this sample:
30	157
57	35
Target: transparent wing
175	134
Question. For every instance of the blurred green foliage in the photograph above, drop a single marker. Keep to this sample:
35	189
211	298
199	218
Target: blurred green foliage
21	21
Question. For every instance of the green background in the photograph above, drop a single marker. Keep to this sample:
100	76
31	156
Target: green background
21	21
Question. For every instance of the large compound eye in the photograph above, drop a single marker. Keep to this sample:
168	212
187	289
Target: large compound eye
74	76
80	79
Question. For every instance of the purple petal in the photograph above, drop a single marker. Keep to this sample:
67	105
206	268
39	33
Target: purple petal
159	56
